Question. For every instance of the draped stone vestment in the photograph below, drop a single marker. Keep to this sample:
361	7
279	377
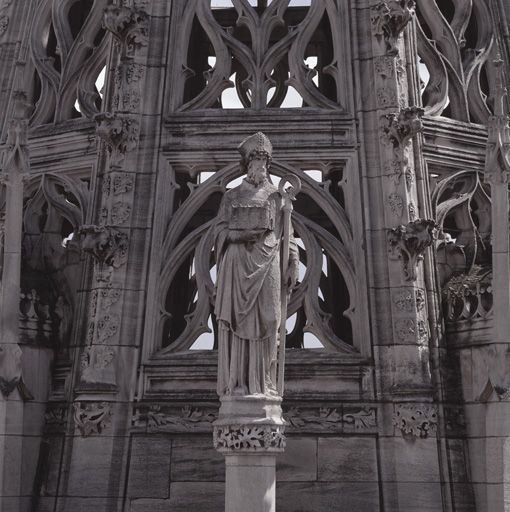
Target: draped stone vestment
248	291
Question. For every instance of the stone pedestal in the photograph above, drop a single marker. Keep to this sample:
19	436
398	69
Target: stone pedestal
250	433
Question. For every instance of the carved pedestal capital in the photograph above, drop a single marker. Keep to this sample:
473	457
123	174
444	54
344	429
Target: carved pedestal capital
389	19
408	243
249	424
250	432
249	438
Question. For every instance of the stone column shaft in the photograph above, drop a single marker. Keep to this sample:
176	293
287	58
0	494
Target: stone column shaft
15	166
250	483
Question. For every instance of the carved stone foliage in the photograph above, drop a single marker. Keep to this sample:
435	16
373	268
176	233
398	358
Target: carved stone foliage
67	62
96	361
129	26
416	420
120	132
409	242
92	417
249	438
389	19
312	301
408	300
117	183
400	128
410	330
55	418
244	53
463	208
396	204
454	44
331	419
4	17
188	418
106	244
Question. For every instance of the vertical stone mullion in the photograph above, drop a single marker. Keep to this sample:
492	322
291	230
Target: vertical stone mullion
408	236
110	240
400	237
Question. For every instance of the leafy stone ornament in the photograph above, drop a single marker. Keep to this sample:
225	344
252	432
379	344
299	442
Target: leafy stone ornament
257	261
389	19
408	243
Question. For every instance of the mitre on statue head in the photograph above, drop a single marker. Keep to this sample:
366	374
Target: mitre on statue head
258	143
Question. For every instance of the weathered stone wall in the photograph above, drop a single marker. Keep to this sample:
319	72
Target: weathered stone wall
397	413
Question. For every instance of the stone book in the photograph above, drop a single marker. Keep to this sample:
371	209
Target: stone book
254	215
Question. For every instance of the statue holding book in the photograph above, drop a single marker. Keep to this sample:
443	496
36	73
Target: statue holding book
251	235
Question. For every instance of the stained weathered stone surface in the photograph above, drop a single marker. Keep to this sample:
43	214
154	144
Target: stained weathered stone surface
118	142
195	459
299	460
327	495
149	467
349	459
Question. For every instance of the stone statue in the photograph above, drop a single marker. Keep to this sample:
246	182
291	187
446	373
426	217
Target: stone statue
248	240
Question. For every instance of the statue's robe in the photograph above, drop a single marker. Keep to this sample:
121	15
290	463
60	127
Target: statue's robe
248	296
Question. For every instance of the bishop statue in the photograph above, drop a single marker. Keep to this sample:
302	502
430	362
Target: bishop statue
249	245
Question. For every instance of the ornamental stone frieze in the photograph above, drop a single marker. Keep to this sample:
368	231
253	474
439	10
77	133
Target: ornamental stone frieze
185	419
408	243
331	419
389	19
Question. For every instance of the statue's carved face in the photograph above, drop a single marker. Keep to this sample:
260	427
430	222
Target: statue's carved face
257	169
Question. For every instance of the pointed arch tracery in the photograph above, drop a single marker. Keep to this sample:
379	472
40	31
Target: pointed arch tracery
186	281
67	57
55	206
275	55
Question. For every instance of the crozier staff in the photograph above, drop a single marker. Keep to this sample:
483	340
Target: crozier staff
248	237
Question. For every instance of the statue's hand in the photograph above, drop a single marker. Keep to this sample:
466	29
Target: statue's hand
292	275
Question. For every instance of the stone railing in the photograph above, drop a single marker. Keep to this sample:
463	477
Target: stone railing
36	319
468	297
